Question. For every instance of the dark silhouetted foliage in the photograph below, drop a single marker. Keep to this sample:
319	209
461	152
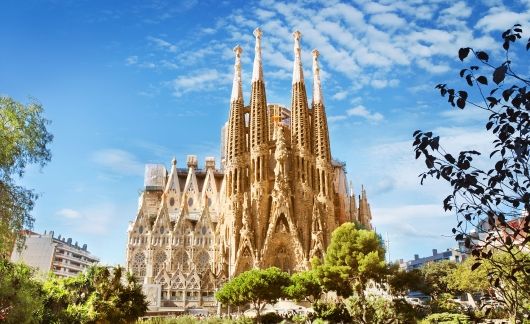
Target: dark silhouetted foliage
489	200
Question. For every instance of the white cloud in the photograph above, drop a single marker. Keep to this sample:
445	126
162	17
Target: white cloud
361	111
458	9
379	84
206	79
208	31
501	19
332	119
69	213
412	212
388	20
92	219
340	95
374	7
131	60
464	116
162	44
118	161
433	68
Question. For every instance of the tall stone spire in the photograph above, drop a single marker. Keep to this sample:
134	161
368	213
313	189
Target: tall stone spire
237	87
320	123
317	88
236	143
365	214
259	146
298	71
257	72
258	101
300	129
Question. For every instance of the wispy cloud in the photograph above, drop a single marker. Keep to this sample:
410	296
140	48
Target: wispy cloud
340	95
94	219
69	213
131	60
358	111
118	161
362	111
163	44
206	79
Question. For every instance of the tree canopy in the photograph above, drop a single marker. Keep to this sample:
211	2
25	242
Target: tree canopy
436	277
359	253
25	140
20	295
305	285
257	287
101	295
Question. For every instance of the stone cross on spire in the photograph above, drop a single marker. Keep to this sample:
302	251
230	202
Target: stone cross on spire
257	72
317	89
237	88
298	73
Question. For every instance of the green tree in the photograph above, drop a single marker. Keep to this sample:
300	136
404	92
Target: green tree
353	258
305	286
510	284
466	279
333	278
436	277
25	140
359	253
20	296
257	287
372	309
101	295
400	282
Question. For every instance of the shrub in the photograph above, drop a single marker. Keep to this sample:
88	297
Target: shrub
446	318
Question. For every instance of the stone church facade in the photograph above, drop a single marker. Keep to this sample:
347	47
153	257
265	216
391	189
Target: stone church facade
274	200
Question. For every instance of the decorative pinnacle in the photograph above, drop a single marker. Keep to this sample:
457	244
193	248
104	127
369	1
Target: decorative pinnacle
238	50
174	161
257	72
298	73
237	88
317	88
297	35
257	32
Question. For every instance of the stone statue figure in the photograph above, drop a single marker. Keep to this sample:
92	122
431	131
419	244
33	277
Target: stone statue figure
280	154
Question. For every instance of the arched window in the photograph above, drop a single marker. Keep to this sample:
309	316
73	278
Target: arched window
139	265
202	261
158	261
180	260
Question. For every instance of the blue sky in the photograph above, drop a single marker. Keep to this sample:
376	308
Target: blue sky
132	82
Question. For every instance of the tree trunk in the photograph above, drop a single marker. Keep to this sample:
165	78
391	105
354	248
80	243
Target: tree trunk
258	313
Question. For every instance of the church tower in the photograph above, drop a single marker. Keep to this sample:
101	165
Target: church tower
236	182
303	159
259	147
324	170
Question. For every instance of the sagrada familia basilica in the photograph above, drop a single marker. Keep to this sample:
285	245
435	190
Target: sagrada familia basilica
274	201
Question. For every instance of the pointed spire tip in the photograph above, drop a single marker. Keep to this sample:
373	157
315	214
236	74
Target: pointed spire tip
297	35
317	88
257	71
237	88
298	74
238	50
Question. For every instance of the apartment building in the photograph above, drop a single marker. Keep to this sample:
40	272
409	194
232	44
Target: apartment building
60	255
